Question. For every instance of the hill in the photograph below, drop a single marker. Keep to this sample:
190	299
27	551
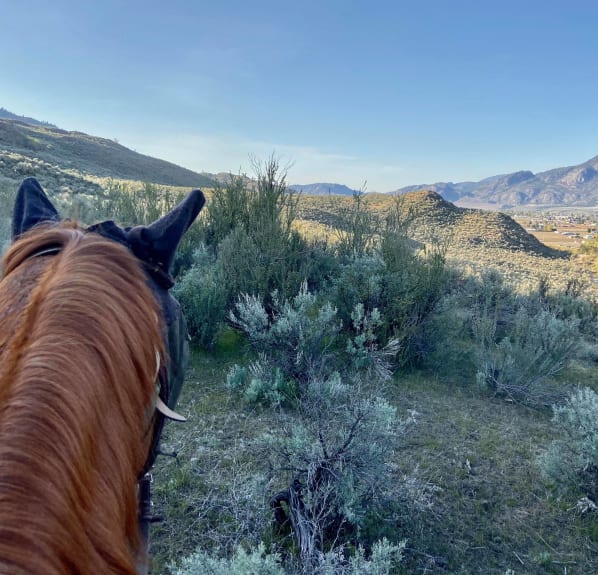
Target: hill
569	186
6	115
472	227
322	189
432	214
224	178
475	240
79	153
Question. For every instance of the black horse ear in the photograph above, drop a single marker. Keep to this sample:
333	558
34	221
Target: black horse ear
32	207
156	244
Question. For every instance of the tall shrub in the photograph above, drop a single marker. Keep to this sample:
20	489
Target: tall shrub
202	294
534	348
572	459
250	228
334	455
414	281
357	228
131	206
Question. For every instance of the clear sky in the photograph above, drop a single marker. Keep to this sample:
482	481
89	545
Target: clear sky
389	92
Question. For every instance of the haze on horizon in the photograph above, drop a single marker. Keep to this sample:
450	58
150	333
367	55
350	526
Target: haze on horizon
392	93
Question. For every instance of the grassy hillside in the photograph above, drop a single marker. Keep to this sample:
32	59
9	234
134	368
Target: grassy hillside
432	215
90	155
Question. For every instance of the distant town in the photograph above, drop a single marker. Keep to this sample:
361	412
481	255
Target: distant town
559	228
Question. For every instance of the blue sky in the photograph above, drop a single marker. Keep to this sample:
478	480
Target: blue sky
392	93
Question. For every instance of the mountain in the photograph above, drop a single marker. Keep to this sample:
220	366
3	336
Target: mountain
568	186
23	143
322	189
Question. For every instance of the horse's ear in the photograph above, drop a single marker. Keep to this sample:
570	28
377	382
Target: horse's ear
32	207
157	243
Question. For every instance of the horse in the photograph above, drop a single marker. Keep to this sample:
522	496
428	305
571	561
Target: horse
85	317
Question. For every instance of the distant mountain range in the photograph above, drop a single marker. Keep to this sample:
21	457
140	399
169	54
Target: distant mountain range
569	186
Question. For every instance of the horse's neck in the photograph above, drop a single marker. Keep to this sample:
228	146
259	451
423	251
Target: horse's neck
55	430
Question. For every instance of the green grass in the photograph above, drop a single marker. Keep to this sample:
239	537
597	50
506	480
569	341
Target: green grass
206	495
481	506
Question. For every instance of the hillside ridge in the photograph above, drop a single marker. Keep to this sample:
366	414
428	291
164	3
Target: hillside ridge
90	155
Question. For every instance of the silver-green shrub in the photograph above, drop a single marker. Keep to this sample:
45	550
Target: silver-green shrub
255	562
303	340
202	295
571	462
403	280
334	453
358	281
7	199
384	557
362	348
535	347
236	378
297	337
267	384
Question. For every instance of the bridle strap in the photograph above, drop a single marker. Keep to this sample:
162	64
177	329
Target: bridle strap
51	251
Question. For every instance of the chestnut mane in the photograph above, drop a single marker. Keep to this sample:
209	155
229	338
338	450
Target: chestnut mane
78	343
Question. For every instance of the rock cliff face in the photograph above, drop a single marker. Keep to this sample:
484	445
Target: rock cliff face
569	186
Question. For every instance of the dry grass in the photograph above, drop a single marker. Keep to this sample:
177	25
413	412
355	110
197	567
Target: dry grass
213	494
558	241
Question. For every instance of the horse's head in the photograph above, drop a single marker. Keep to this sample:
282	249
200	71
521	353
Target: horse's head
81	333
154	246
